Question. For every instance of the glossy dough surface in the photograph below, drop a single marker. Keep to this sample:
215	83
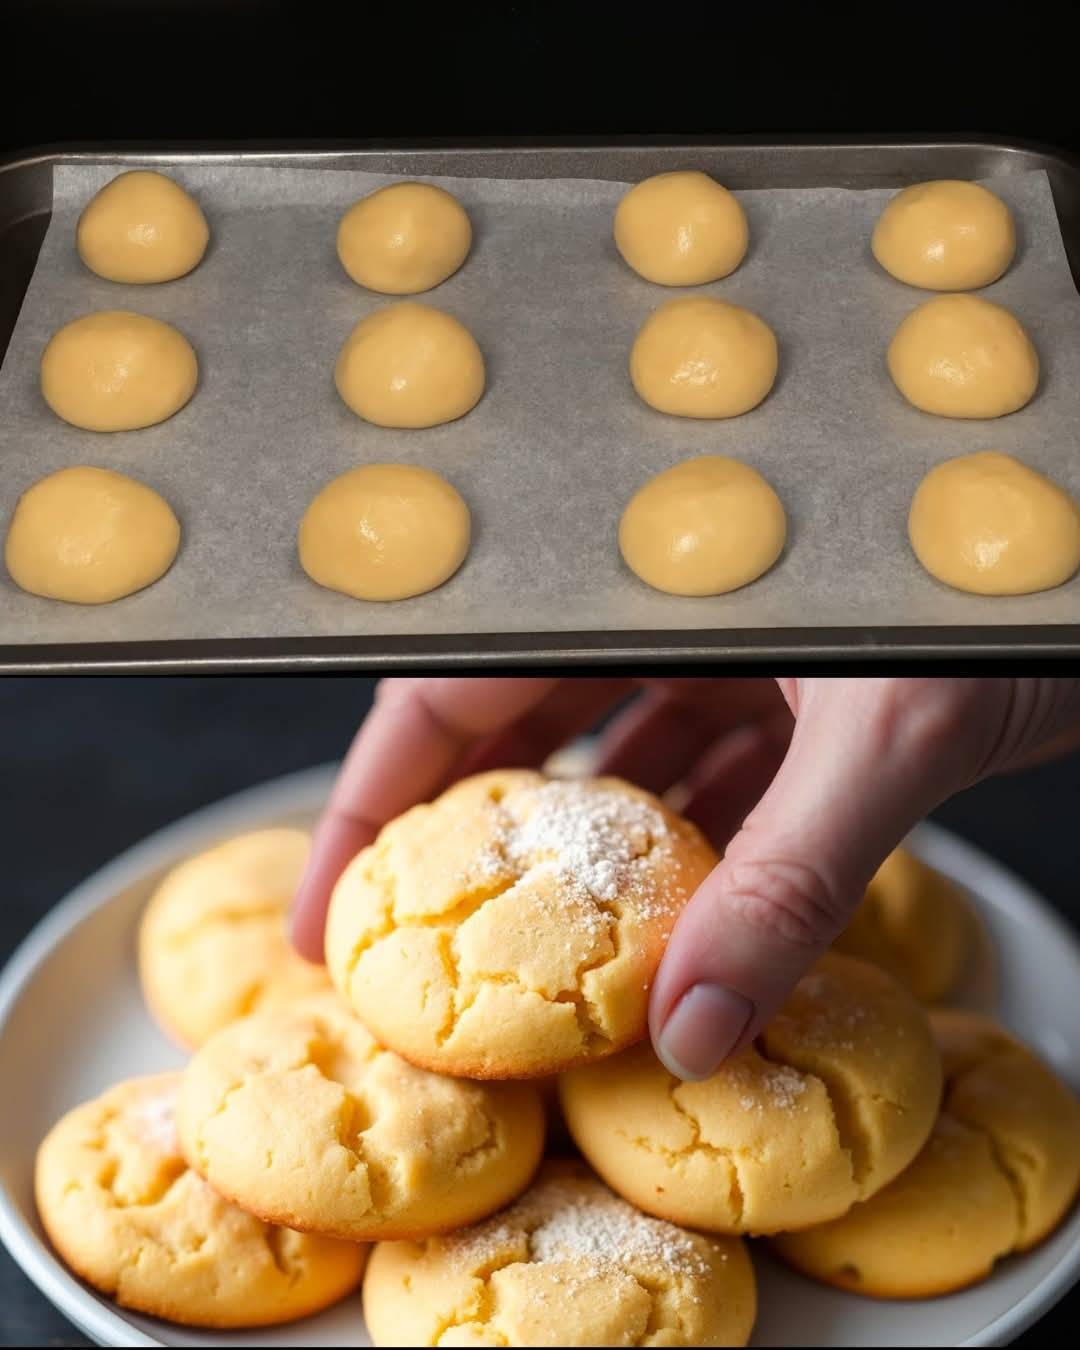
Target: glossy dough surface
961	356
700	357
142	227
681	229
404	238
384	532
947	235
89	535
117	371
300	1117
513	926
997	1175
703	527
409	365
568	1264
214	942
989	524
126	1213
914	923
840	1098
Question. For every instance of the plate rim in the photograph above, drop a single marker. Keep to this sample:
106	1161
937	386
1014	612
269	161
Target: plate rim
293	792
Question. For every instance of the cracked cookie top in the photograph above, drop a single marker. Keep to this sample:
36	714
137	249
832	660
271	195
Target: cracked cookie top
914	923
298	1115
513	927
837	1096
998	1173
568	1264
129	1216
213	942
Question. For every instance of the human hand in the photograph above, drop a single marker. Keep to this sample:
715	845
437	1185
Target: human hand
807	783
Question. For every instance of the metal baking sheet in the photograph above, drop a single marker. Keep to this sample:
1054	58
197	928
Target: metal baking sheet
560	441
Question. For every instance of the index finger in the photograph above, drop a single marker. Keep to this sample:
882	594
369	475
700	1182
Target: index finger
405	749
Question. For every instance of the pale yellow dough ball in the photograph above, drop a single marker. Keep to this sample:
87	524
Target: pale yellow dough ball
681	229
700	357
961	356
117	371
409	365
404	238
703	527
987	523
384	532
89	535
947	235
142	227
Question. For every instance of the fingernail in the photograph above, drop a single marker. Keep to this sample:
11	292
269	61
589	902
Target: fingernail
702	1030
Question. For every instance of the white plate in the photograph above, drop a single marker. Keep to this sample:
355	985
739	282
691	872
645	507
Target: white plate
72	1022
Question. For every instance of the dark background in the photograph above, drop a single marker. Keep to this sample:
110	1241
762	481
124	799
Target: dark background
91	766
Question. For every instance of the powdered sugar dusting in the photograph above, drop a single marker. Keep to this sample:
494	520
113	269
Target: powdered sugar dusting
154	1121
776	1087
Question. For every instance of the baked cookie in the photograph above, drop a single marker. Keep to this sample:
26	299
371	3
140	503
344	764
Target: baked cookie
838	1100
997	1175
512	927
126	1213
299	1116
568	1264
914	923
213	942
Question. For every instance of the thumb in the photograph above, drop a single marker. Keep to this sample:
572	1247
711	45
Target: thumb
868	758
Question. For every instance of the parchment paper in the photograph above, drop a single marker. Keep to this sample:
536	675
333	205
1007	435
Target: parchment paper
559	443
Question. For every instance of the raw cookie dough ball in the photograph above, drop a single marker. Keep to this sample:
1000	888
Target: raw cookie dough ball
214	942
961	356
404	238
681	229
700	357
987	523
569	1264
89	536
384	532
409	365
998	1174
840	1098
703	527
117	371
300	1117
914	923
142	227
513	926
126	1213
948	235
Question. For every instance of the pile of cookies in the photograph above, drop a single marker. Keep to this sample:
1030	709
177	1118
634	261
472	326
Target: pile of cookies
489	959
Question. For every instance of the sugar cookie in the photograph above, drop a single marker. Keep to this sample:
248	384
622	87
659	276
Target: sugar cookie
409	365
961	356
142	227
841	1097
997	1175
404	238
947	235
213	941
914	923
681	229
117	371
89	536
300	1117
700	357
125	1212
513	926
568	1264
703	527
384	532
989	524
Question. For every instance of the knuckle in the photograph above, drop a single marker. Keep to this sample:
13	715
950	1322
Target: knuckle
788	900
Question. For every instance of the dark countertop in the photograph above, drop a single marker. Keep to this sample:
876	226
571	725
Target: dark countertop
92	766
